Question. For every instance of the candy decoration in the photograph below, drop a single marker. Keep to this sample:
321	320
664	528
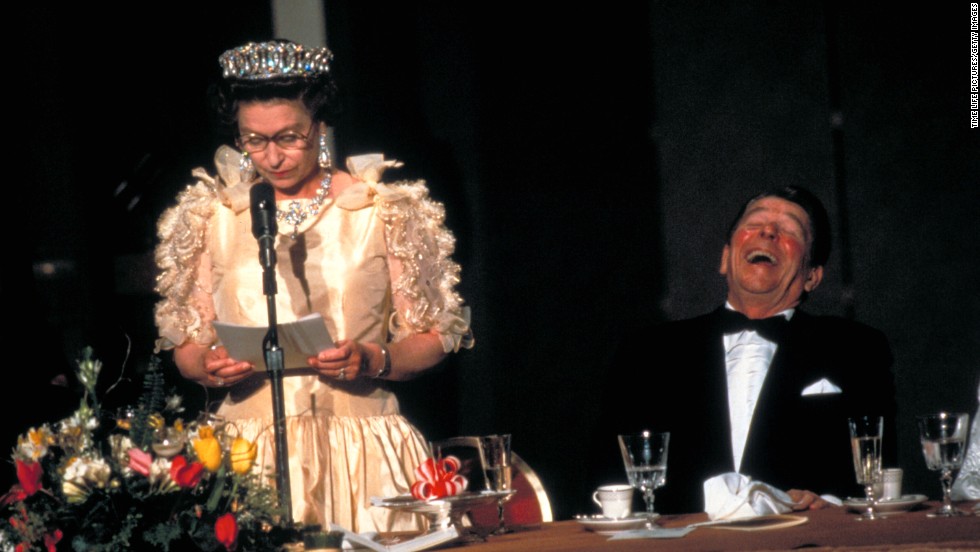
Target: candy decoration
438	479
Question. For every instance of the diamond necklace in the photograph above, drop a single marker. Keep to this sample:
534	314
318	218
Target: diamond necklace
295	214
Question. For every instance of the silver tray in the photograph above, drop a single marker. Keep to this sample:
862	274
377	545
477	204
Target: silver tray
443	512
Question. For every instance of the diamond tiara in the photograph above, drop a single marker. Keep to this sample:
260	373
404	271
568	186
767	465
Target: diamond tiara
270	60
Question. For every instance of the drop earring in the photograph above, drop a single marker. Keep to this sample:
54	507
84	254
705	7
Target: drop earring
246	170
323	158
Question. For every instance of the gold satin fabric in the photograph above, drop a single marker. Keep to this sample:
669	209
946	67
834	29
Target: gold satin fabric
347	441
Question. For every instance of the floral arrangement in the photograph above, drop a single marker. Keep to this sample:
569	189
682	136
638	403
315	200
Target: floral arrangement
138	479
438	479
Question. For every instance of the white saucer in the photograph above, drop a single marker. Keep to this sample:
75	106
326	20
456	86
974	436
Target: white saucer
889	506
608	526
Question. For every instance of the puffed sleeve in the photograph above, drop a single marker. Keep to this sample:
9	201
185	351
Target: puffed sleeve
186	310
424	276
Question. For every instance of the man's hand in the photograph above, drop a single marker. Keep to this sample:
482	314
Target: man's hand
807	500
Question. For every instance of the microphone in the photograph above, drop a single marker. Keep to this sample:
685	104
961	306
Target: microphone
264	226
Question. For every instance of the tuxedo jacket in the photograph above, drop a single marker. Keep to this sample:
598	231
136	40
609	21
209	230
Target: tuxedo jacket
674	379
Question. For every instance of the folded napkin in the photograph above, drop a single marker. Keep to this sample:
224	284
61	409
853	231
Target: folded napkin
733	495
822	387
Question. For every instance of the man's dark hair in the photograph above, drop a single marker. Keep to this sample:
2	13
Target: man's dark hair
820	237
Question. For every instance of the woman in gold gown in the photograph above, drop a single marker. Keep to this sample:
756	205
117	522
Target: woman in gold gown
372	258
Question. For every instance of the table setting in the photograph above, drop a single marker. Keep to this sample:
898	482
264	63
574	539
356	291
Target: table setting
732	500
444	497
740	512
737	502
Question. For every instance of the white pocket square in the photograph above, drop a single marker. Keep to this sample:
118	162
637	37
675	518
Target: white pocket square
822	387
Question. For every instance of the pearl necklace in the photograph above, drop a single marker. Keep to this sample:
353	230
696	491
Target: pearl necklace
295	214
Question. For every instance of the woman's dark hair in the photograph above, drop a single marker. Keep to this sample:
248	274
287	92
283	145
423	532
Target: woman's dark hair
318	93
820	237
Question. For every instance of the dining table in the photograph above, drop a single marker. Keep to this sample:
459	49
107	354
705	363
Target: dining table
833	528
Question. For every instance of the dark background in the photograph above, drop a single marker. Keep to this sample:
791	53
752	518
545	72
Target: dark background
589	160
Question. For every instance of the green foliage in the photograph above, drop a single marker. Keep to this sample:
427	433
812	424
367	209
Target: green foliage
151	403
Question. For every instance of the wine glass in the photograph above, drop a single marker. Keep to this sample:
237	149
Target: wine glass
943	438
497	467
866	448
645	458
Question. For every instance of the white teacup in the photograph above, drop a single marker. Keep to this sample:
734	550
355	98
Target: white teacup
891	484
616	501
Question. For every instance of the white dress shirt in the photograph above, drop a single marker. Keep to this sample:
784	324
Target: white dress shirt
747	359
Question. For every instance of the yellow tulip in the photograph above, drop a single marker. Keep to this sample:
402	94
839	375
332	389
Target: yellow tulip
208	452
242	455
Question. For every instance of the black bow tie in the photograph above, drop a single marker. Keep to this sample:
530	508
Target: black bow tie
772	328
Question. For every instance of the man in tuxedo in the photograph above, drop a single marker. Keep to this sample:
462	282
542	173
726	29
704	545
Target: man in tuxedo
758	386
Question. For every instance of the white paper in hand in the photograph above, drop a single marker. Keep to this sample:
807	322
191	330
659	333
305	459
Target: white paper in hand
299	340
733	495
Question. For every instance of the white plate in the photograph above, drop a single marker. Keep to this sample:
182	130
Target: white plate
607	526
890	506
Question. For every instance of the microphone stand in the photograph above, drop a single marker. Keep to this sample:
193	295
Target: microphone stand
274	366
264	229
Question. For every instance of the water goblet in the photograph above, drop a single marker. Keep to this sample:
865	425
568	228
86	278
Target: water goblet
497	467
645	458
866	447
943	438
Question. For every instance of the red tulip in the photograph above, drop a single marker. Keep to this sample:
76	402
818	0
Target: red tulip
29	474
51	540
184	474
226	531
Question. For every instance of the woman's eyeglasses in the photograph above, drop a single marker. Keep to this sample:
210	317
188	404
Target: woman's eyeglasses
289	140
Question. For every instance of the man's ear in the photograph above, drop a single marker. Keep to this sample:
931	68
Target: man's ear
813	278
723	269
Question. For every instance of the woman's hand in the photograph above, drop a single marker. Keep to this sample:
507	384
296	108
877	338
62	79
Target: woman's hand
347	361
405	360
221	371
210	366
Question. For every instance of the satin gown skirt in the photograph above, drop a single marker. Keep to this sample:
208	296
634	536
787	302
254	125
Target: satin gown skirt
337	463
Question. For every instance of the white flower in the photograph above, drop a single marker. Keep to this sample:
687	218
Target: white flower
5	544
119	446
174	403
75	432
34	444
82	474
159	477
88	370
83	418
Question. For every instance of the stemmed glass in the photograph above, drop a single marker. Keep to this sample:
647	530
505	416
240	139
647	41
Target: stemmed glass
943	438
866	448
645	458
496	463
168	442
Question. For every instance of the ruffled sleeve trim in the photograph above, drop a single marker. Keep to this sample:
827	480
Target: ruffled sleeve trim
182	231
416	235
